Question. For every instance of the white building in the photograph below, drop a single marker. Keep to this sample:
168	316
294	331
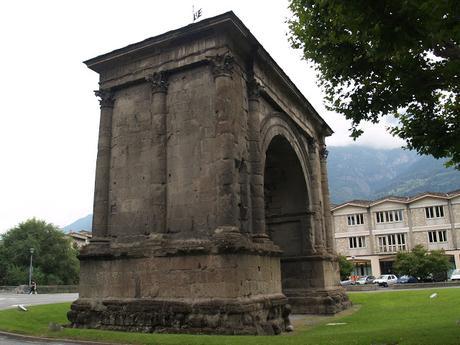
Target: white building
370	233
80	238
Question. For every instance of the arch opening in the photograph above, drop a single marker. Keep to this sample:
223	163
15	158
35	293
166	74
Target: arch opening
287	215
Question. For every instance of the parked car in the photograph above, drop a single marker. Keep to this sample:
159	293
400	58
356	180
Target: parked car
386	279
347	282
455	275
365	280
407	280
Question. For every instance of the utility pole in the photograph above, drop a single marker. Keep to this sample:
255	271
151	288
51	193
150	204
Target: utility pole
31	267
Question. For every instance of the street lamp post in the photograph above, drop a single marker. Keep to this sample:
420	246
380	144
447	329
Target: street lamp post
31	267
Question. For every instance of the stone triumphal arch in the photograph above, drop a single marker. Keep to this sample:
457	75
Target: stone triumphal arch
211	207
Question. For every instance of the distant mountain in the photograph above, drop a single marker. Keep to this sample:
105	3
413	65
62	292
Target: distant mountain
84	223
365	173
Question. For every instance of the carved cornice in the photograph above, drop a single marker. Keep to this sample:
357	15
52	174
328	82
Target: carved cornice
158	81
222	64
254	89
106	98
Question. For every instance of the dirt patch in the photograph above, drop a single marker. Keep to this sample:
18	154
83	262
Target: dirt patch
305	322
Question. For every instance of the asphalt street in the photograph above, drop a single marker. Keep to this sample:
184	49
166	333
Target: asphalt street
382	289
8	301
12	300
19	341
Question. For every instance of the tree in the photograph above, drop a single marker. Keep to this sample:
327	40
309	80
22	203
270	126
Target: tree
422	264
346	267
379	58
54	259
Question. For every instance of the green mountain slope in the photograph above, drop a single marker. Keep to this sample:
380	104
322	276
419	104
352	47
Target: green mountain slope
365	173
426	174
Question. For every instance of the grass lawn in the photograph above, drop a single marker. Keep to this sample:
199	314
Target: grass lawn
401	317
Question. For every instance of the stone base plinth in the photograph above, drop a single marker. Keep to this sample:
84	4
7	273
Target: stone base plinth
316	301
226	285
311	284
264	315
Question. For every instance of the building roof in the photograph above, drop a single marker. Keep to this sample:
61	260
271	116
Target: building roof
400	199
392	198
454	193
356	203
80	234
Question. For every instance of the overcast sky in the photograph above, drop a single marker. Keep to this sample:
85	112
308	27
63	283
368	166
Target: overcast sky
49	115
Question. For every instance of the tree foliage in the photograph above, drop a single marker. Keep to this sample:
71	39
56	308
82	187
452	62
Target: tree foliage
378	58
422	264
346	267
54	259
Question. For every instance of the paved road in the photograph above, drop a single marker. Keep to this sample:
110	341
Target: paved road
12	300
382	289
19	341
8	301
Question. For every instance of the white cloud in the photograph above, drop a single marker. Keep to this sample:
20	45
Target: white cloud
375	135
49	118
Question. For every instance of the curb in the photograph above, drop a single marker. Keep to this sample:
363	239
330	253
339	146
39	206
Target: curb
53	340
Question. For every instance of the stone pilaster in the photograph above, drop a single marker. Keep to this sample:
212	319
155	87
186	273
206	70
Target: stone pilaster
317	225
452	220
102	184
327	225
410	225
370	226
159	85
255	157
222	70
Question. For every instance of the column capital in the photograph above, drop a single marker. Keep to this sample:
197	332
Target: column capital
254	89
312	144
323	152
222	64
320	249
106	98
158	82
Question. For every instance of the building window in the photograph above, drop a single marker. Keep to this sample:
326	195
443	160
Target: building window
389	216
357	242
434	212
391	243
437	236
355	219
